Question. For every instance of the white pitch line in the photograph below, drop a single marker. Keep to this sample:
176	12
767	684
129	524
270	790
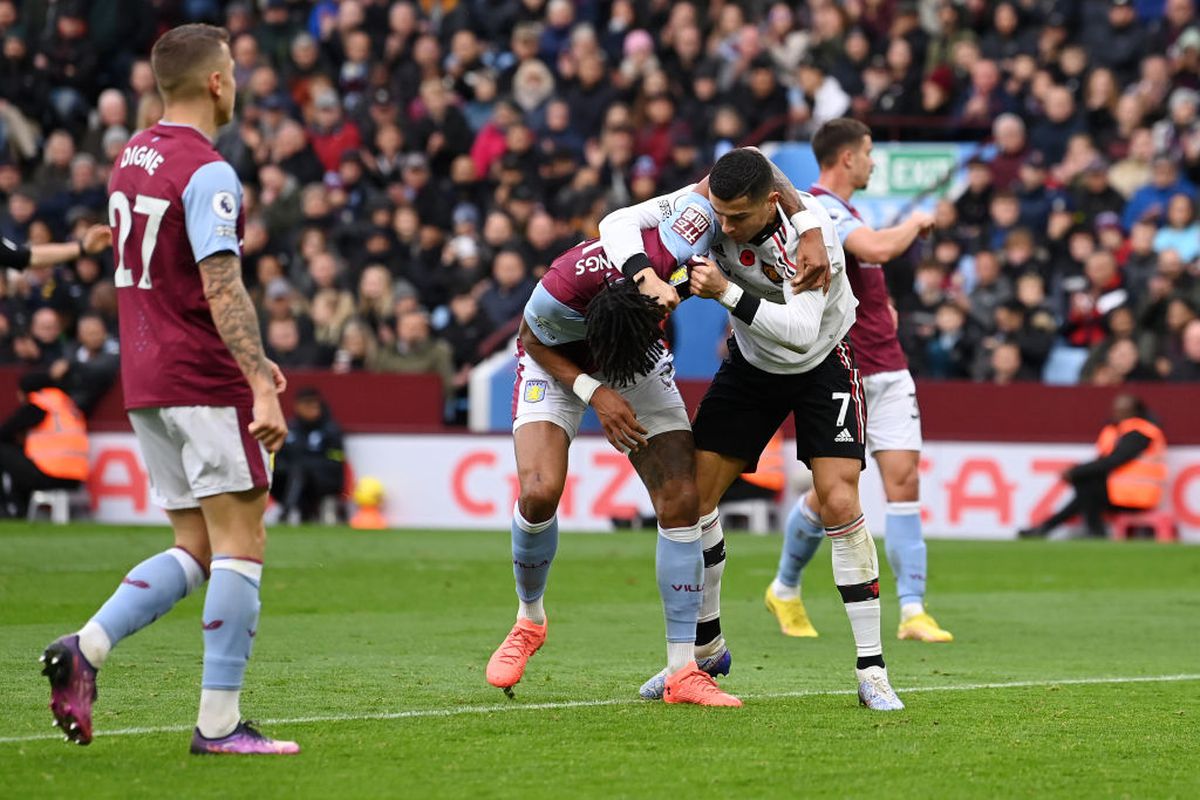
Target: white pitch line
514	706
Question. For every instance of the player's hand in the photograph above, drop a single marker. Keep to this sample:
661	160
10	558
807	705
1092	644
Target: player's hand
813	260
620	423
277	376
268	425
657	289
923	221
706	280
97	238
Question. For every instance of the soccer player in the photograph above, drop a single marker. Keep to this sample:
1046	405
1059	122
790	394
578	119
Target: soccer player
843	151
201	396
789	354
580	302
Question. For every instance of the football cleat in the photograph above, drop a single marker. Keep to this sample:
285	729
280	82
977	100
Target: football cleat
793	618
72	688
714	666
875	692
507	664
923	628
693	685
244	741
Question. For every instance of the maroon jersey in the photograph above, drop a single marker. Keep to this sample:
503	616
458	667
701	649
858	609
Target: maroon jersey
555	312
876	346
173	201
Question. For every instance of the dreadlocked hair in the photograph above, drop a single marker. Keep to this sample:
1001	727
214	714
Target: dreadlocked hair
623	332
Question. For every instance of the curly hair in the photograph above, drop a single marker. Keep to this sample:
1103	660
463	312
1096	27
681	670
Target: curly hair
623	332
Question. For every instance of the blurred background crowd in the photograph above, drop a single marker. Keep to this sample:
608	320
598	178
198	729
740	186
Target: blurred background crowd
411	168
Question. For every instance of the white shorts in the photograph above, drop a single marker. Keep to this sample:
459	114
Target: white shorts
537	397
893	418
199	451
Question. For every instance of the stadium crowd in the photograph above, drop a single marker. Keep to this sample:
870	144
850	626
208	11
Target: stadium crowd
411	168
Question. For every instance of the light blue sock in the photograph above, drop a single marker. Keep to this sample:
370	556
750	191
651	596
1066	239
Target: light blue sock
533	547
151	589
230	621
802	535
679	567
906	550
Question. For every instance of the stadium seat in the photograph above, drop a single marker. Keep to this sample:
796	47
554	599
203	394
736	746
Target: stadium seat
1064	364
1161	522
58	501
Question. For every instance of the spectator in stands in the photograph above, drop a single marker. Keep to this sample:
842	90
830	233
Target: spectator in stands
1151	200
1122	363
1007	366
949	351
1095	196
1051	133
417	350
311	465
90	368
1186	366
985	99
1100	291
511	288
1181	232
330	134
43	444
1127	475
357	348
284	346
816	98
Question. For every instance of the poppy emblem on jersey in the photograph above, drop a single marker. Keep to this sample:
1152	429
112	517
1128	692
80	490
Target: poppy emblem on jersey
747	258
535	391
771	273
224	206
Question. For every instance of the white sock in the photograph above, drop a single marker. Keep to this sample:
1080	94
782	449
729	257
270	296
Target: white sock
532	611
785	592
94	643
910	610
219	712
856	573
679	655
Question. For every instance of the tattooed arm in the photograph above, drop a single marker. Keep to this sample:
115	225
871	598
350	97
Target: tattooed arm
237	323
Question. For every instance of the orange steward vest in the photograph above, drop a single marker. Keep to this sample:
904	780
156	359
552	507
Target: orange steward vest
59	444
1139	483
769	474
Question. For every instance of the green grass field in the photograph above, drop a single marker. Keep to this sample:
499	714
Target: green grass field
1074	674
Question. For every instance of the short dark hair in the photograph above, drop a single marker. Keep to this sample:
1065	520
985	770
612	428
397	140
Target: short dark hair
741	172
624	333
184	56
835	136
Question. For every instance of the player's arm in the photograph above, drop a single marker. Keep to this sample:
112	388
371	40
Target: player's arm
616	415
793	324
96	239
211	204
621	238
881	246
237	322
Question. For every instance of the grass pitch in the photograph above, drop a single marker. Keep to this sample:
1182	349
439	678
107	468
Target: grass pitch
1074	674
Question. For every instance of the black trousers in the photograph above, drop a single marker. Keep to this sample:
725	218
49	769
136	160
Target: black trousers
301	485
1091	502
21	478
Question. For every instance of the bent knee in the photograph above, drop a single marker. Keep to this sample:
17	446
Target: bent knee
840	504
539	498
904	487
677	504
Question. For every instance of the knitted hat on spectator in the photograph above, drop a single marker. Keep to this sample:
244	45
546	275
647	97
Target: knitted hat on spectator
1108	219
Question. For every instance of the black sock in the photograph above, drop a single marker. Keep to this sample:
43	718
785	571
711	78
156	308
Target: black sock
869	661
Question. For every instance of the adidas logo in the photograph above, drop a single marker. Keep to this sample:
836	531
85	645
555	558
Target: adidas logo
844	436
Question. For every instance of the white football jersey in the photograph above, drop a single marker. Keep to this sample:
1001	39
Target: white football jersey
788	333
